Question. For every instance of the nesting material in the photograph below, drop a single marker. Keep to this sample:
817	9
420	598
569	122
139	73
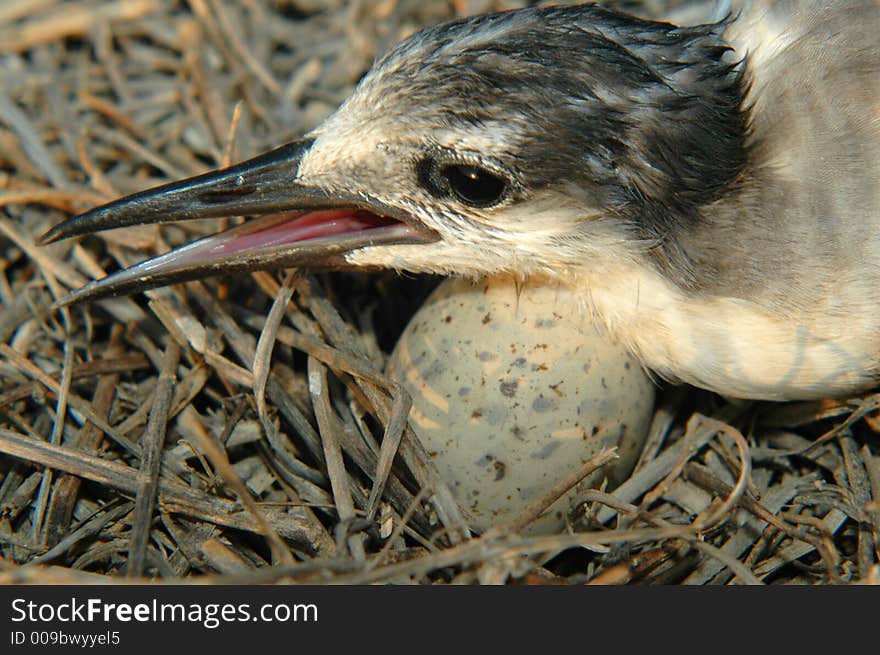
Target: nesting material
106	97
514	388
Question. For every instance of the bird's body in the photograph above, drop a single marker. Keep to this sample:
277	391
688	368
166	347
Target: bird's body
784	267
788	263
713	190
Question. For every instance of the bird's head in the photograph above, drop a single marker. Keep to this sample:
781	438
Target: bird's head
523	141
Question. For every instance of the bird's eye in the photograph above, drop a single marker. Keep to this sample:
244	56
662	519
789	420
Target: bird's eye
474	186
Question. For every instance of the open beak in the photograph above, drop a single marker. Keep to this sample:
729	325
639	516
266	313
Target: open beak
306	226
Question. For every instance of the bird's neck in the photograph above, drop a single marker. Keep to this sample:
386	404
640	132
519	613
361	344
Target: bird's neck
686	144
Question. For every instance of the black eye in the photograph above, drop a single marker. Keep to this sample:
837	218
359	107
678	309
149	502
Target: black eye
474	186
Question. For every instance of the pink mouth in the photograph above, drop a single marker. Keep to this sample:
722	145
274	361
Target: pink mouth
293	228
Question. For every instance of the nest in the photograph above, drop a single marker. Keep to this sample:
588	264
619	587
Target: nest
242	430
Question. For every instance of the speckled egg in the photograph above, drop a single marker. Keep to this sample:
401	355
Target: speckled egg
513	389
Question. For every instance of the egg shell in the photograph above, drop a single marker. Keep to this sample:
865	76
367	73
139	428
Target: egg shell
514	388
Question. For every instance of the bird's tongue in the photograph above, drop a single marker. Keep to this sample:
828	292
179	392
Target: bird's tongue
292	229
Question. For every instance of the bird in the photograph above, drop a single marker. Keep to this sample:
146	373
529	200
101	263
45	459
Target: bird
711	189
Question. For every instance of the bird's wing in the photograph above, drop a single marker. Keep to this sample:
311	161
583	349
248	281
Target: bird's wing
808	218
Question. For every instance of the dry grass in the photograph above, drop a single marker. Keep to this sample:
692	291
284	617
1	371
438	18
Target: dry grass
243	430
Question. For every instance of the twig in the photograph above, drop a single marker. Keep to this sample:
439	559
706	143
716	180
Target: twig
390	443
263	355
333	454
538	506
55	439
91	527
713	516
148	478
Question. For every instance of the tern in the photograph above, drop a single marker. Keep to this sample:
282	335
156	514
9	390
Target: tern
713	190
